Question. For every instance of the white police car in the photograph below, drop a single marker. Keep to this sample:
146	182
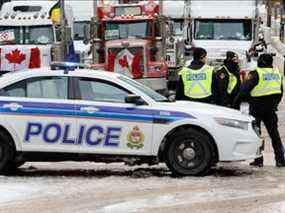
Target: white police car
54	115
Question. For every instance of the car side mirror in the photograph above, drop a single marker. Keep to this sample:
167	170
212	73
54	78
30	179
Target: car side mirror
134	99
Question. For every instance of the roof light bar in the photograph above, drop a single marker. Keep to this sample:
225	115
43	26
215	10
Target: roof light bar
67	66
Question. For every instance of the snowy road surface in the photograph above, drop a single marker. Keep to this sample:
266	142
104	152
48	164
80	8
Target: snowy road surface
90	187
94	187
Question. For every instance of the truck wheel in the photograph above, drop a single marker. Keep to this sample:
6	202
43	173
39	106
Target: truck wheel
189	152
6	152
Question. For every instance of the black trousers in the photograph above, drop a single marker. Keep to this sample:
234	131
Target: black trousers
270	121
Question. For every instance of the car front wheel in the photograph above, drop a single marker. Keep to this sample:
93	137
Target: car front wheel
189	152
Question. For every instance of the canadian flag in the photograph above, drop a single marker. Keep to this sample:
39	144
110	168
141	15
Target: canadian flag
19	58
125	63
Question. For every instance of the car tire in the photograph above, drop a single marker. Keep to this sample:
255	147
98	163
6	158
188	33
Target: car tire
189	152
6	152
15	165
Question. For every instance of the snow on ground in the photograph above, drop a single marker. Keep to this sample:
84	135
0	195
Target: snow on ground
14	191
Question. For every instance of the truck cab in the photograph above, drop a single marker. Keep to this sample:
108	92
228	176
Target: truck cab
219	26
129	42
28	36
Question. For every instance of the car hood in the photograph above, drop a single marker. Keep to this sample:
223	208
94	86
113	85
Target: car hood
201	109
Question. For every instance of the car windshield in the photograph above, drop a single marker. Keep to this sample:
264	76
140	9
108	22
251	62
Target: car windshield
123	30
39	35
79	29
146	90
10	35
223	29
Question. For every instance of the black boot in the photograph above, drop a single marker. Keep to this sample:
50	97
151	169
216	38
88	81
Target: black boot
258	162
280	164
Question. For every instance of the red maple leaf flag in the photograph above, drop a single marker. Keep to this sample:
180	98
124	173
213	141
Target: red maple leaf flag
35	58
111	61
124	62
136	72
15	57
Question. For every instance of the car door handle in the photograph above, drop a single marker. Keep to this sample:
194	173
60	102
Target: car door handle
89	109
13	106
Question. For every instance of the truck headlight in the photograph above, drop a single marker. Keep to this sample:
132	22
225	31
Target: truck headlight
233	123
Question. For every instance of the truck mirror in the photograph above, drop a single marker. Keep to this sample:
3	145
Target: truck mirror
58	34
86	34
68	34
266	31
248	57
158	38
153	50
188	50
189	34
169	28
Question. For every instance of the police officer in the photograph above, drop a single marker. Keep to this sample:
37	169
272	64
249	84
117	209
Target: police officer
263	90
195	81
228	80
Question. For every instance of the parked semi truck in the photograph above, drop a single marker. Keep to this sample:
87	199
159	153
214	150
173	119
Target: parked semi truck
178	15
29	38
219	26
128	40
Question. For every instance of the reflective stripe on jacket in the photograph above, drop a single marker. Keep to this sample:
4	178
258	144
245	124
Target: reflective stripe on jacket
270	82
197	83
232	81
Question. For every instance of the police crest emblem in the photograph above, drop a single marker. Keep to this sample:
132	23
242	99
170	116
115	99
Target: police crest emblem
135	138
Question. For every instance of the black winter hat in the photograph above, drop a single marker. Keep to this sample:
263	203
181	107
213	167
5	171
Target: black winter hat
199	53
230	55
265	60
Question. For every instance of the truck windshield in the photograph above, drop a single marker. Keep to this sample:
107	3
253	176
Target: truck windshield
123	30
223	29
78	29
27	34
10	35
39	35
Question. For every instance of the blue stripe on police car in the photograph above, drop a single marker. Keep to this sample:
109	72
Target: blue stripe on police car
105	112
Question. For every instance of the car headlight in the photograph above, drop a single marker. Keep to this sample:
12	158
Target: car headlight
233	123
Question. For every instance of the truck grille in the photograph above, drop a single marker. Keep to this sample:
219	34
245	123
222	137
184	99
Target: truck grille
133	52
